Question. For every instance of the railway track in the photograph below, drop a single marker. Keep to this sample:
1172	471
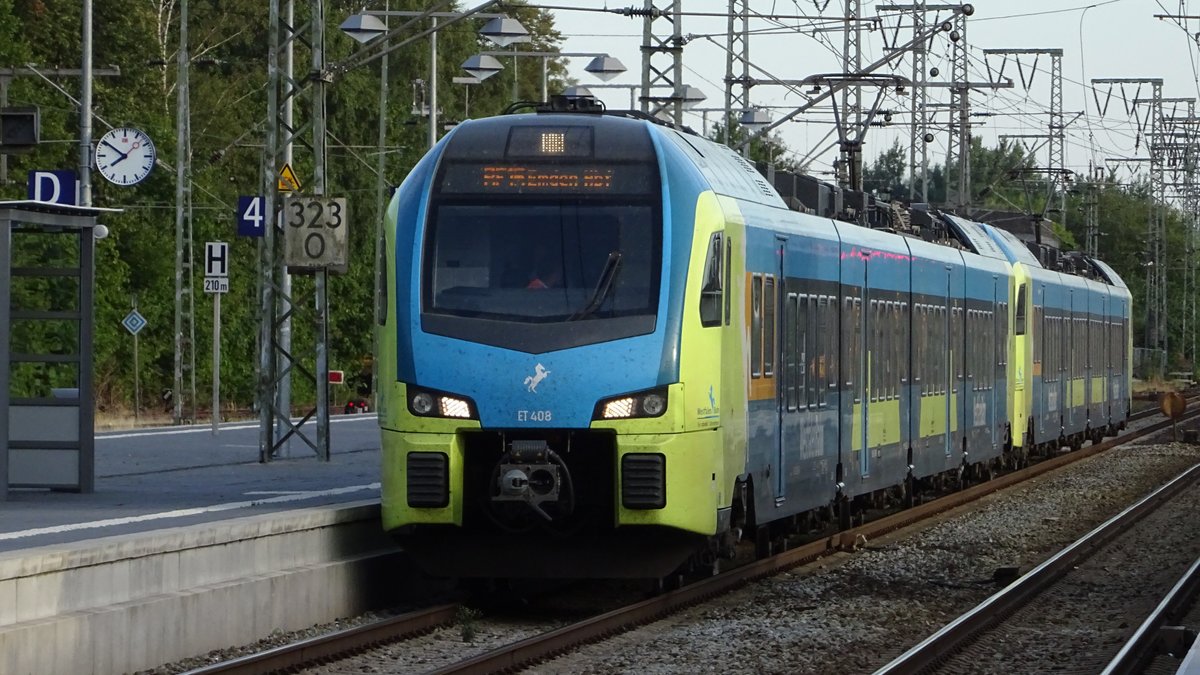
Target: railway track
1062	615
524	652
1167	637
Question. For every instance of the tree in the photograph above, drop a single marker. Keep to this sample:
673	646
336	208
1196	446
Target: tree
887	176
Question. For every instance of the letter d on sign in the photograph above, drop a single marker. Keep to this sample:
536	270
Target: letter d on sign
56	187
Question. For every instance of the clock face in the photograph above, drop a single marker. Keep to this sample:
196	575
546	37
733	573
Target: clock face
125	156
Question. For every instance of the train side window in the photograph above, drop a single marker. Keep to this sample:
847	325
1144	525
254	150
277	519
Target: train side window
919	332
859	337
712	300
853	333
814	352
832	344
822	342
806	338
894	335
769	326
943	348
1019	321
882	345
969	366
1037	341
728	280
793	346
381	293
1002	332
956	363
888	347
904	332
756	331
848	340
873	350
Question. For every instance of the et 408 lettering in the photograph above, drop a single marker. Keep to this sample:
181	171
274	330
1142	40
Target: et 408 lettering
534	416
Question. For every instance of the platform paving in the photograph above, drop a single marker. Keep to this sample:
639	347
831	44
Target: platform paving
150	479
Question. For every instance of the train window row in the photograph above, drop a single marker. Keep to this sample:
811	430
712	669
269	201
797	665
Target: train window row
810	347
1060	352
986	352
930	348
888	348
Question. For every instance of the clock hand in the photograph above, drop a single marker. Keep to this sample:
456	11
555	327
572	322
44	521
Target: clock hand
123	154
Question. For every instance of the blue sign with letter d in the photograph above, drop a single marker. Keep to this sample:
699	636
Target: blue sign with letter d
58	187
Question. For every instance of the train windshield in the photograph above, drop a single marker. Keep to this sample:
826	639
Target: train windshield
543	261
544	234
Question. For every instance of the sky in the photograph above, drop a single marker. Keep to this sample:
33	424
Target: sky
1100	39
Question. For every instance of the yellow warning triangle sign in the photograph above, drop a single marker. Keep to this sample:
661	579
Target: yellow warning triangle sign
287	179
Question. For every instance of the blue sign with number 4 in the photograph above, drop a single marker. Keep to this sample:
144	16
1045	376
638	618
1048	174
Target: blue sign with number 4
250	216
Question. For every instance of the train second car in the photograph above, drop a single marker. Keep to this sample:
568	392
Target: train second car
609	349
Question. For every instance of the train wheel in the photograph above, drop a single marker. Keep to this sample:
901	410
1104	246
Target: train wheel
762	543
843	508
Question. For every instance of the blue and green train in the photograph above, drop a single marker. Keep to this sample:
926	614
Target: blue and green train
608	347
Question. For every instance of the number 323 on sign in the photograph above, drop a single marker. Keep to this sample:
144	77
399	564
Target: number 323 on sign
315	233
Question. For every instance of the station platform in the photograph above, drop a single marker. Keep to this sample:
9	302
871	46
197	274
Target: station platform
151	479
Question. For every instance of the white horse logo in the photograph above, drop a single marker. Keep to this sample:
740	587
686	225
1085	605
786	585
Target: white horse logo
539	374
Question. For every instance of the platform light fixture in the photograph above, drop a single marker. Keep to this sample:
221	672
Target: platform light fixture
364	27
754	118
482	66
605	67
505	31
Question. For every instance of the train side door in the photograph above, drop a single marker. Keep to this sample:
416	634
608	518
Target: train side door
992	362
868	357
1067	394
950	353
774	299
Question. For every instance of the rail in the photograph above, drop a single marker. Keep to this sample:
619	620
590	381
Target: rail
540	647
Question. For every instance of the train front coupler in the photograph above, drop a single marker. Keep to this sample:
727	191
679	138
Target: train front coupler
533	474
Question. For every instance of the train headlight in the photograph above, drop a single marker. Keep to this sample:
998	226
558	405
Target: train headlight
651	403
428	403
422	403
619	408
455	407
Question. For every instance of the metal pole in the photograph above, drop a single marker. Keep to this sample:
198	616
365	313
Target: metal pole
181	187
85	111
433	75
285	279
380	201
216	366
545	79
318	121
266	352
3	104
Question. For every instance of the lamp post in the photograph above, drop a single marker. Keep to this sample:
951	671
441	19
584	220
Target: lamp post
486	64
466	82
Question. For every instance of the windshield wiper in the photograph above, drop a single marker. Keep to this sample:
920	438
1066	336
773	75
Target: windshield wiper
603	286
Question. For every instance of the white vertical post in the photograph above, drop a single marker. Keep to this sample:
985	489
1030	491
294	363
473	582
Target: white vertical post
137	376
433	92
85	113
216	364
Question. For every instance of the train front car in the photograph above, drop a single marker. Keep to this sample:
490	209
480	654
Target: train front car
535	423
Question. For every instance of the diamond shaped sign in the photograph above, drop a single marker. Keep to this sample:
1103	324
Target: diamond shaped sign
134	322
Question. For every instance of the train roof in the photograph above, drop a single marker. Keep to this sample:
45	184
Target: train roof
727	172
976	236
